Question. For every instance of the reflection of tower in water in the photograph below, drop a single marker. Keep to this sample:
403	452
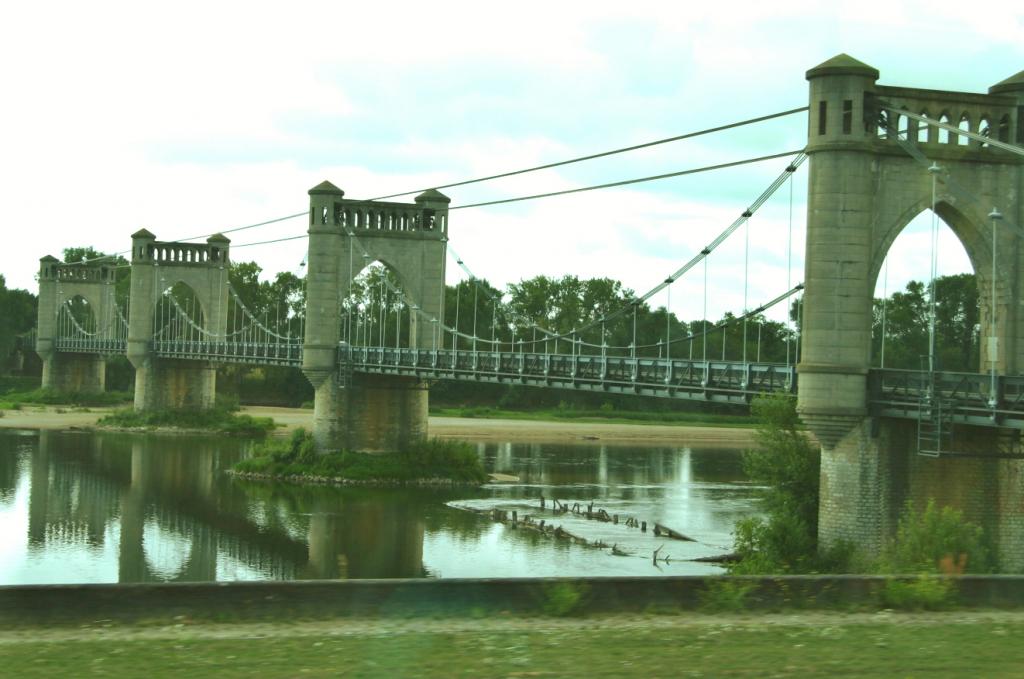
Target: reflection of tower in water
684	477
161	499
365	537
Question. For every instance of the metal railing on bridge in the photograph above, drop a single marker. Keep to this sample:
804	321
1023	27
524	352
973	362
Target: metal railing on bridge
717	381
221	351
92	345
967	398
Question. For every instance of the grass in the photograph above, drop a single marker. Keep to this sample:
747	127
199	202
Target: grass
13	400
601	416
610	647
432	459
220	420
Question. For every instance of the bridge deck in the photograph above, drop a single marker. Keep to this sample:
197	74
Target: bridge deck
901	394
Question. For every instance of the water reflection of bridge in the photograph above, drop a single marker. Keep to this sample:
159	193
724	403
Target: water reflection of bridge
175	519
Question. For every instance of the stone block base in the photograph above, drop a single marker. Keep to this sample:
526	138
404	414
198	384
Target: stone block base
375	413
867	481
81	373
163	383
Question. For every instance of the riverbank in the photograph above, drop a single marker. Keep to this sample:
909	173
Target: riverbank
476	429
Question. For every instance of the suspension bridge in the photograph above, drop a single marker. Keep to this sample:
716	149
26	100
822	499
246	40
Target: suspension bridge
876	157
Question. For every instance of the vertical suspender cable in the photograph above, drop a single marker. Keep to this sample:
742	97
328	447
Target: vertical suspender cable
475	291
351	277
885	300
632	346
746	282
934	169
789	266
668	319
455	335
993	341
704	335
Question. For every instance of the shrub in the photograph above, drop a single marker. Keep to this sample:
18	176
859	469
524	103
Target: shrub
429	459
787	464
560	599
725	596
936	541
925	592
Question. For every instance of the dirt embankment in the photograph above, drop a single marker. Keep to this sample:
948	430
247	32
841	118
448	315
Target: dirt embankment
476	429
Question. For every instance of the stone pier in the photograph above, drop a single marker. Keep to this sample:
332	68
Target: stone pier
157	267
864	188
370	412
92	284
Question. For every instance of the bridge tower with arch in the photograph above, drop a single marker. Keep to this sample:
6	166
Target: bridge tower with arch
359	411
865	185
59	284
157	266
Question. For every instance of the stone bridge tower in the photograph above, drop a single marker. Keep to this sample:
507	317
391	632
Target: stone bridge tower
864	188
369	412
65	370
156	267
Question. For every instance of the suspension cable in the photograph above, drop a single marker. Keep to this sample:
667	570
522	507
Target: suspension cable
786	175
626	182
603	154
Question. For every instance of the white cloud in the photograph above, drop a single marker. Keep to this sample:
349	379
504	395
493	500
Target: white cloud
194	117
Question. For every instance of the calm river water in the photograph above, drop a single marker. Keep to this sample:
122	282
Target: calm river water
85	507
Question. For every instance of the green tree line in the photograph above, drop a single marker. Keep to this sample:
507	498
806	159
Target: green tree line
562	305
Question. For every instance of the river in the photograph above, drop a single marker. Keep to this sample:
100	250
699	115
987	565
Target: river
80	507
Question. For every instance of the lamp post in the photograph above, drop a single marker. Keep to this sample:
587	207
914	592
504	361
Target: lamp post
993	339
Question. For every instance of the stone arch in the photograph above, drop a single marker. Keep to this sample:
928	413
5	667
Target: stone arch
944	135
924	130
958	343
965	125
84	312
166	317
95	290
372	304
418	267
985	128
964	227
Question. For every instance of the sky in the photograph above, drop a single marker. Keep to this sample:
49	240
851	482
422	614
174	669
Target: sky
188	118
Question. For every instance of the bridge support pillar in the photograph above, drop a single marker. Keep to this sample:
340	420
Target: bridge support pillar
867	481
165	383
75	373
373	413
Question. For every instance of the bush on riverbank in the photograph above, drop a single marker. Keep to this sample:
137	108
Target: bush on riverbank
786	464
15	399
222	420
431	459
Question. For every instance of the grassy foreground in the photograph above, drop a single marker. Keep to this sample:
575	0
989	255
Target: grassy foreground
433	459
608	646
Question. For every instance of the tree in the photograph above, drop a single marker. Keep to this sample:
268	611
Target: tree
17	316
786	464
906	318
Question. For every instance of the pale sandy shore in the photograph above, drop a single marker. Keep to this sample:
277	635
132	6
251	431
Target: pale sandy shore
476	429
